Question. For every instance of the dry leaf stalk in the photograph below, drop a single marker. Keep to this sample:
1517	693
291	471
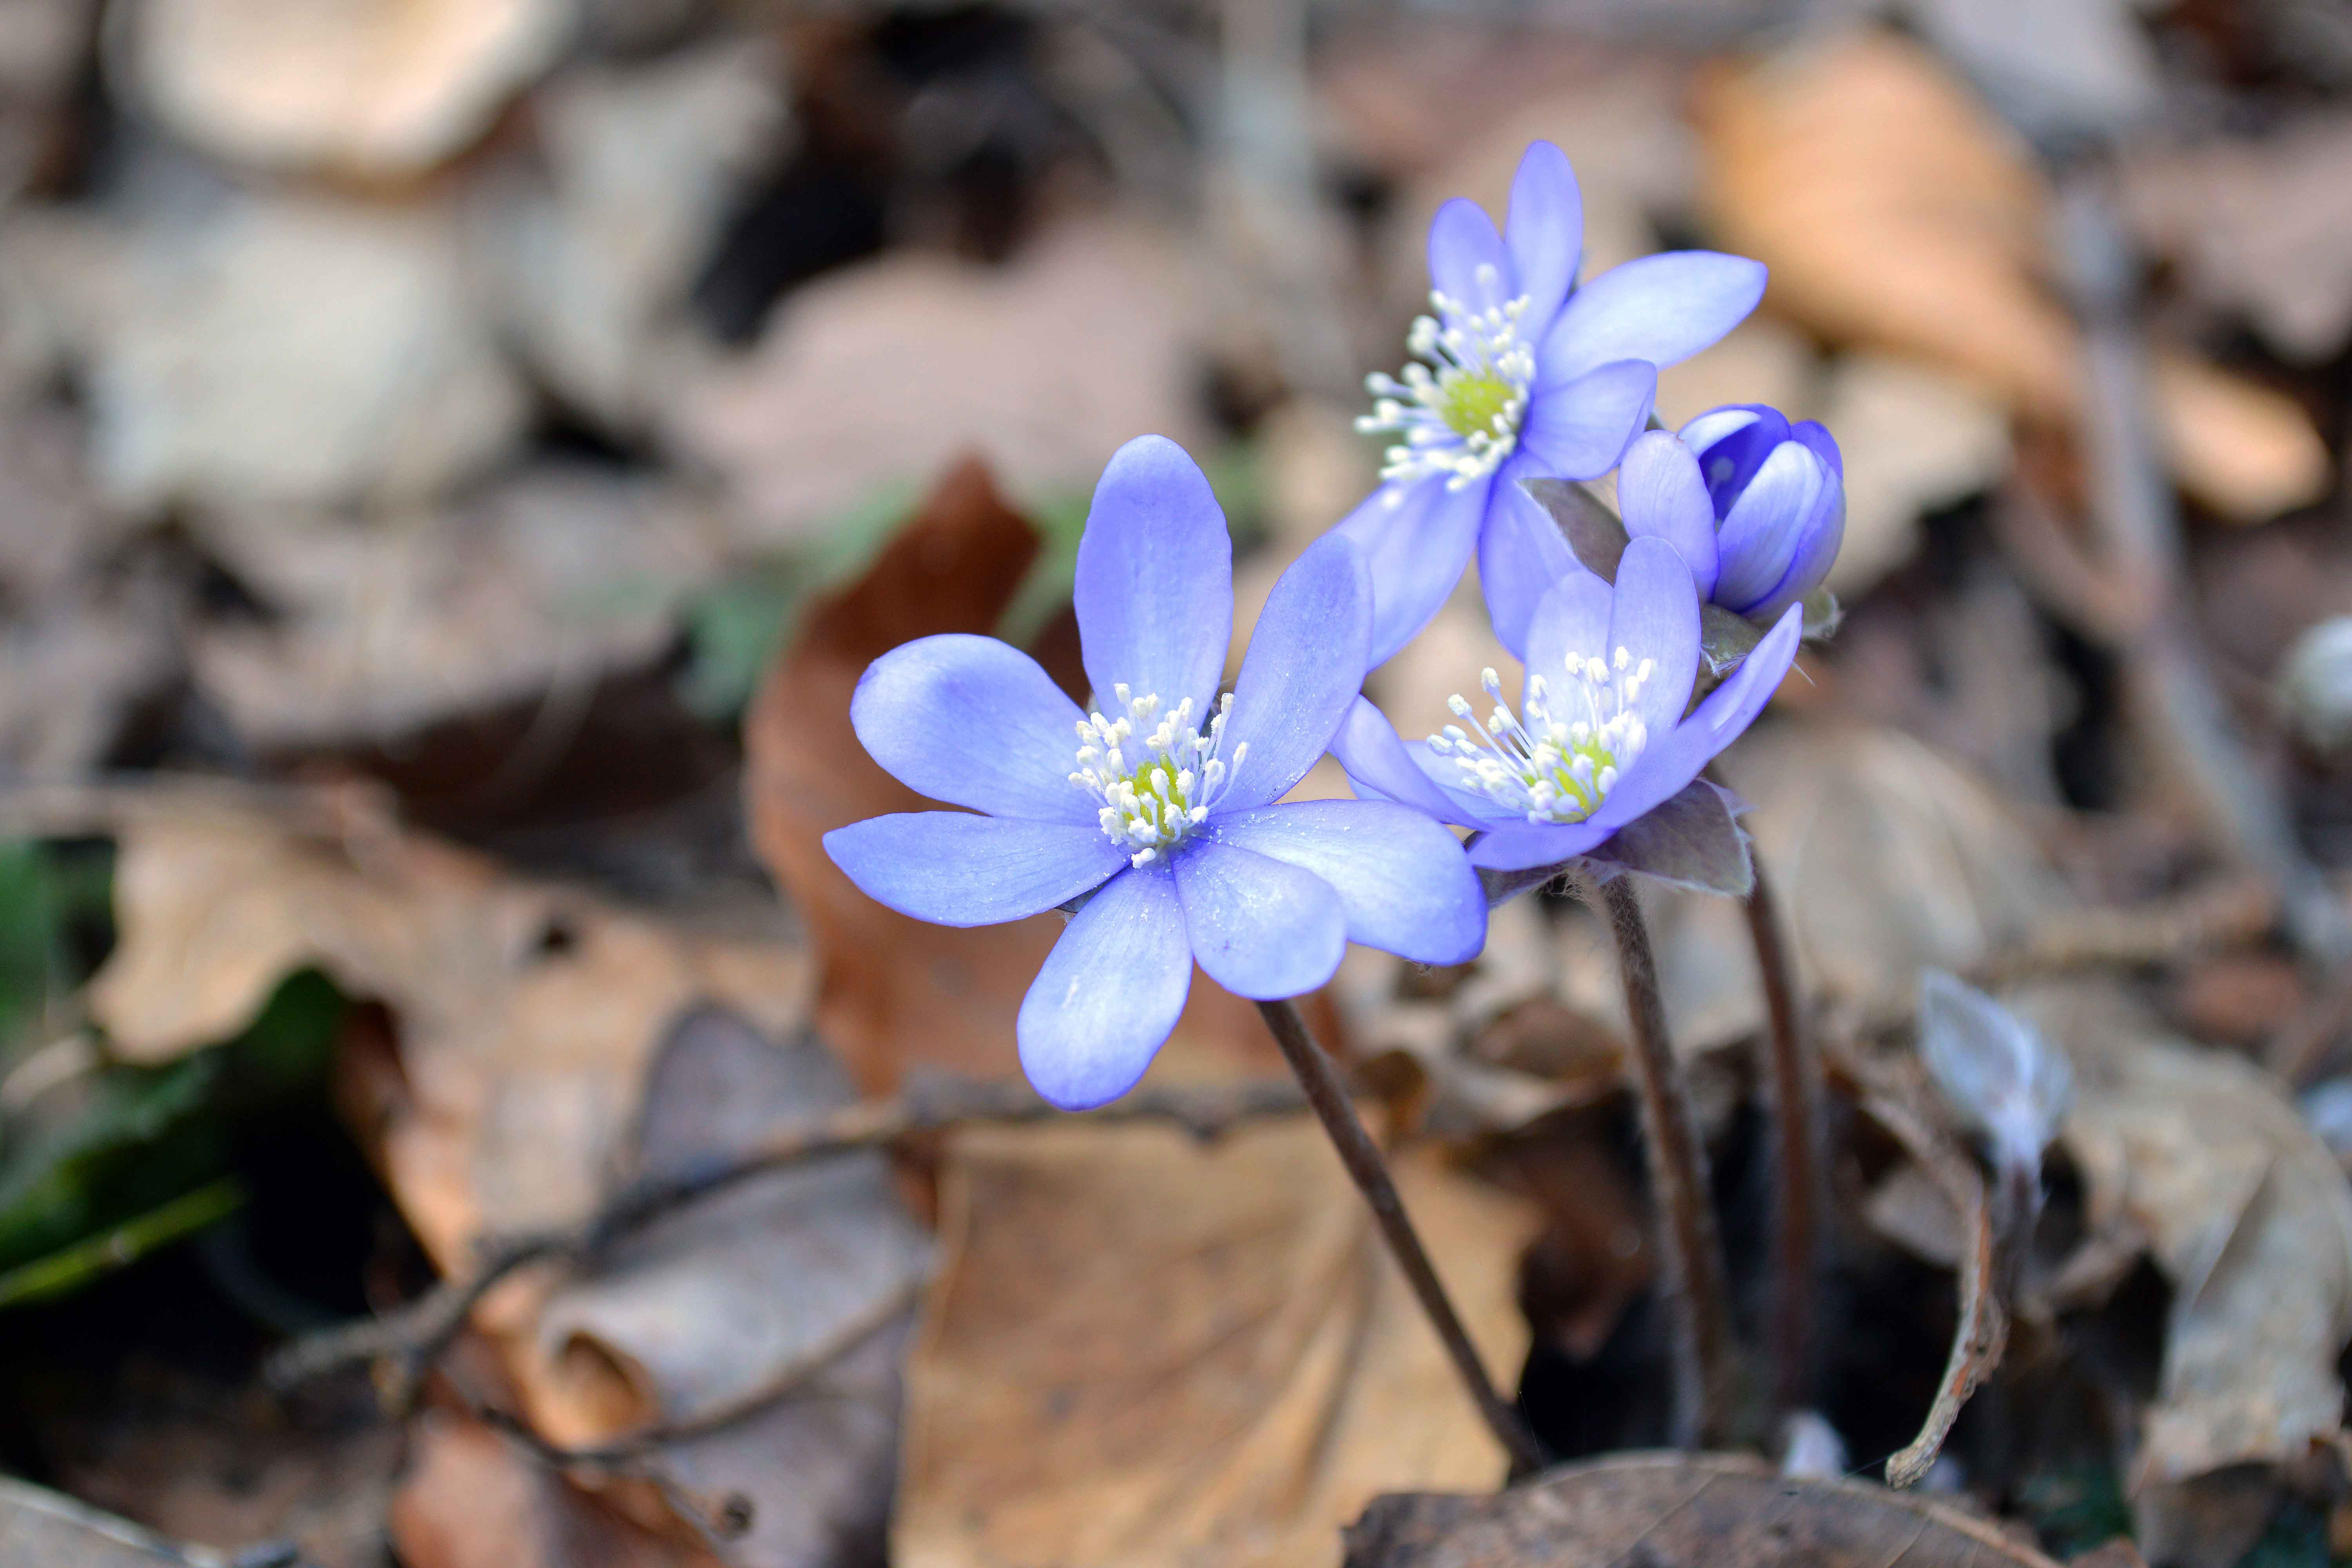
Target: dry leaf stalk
1794	1072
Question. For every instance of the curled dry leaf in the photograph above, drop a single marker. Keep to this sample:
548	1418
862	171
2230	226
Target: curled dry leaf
1674	1509
1044	366
1896	211
381	88
2244	1211
1106	1374
766	1319
526	1016
475	1498
895	992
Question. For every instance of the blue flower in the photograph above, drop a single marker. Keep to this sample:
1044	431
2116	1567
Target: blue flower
1529	376
1158	807
1601	737
1756	506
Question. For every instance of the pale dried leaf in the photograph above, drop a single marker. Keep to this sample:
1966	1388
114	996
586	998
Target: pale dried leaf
552	578
372	86
1726	1510
1045	366
2247	1214
1915	440
2245	451
1147	1351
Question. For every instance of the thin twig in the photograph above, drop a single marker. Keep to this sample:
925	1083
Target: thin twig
1801	1197
1982	1331
1327	1092
1692	1253
411	1338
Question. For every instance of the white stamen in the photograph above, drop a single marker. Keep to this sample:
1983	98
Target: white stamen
1149	809
1561	762
1463	420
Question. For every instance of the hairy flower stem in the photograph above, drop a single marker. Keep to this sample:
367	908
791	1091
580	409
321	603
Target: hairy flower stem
1794	1072
1328	1095
1692	1273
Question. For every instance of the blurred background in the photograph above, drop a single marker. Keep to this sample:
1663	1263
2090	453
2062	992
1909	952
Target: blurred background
455	455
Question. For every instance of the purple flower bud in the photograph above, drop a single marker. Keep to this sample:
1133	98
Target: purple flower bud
1755	504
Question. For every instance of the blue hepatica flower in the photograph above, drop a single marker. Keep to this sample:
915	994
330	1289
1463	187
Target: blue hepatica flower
1756	506
1601	737
1158	807
1529	376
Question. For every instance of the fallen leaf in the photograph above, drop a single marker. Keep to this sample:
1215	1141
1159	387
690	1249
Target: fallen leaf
2246	1214
275	346
2255	227
895	992
1678	1508
766	1320
373	629
472	1499
1108	1375
594	245
1896	211
381	87
42	1529
1915	440
1044	366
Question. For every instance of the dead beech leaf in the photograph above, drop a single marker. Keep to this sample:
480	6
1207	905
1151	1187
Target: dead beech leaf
373	86
546	580
2257	228
1144	1350
1895	210
1044	366
893	991
768	1319
1720	1509
472	1499
2245	1212
526	1016
1890	859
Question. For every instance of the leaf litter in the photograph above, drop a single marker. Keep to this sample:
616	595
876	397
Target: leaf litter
533	479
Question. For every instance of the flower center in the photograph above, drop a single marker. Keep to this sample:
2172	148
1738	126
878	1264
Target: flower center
1561	763
1155	792
1462	417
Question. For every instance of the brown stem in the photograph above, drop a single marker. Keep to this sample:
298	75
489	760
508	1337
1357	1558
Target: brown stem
1328	1093
1692	1257
1794	1073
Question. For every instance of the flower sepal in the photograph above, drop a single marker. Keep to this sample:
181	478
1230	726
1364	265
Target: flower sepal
1693	840
1594	532
1823	615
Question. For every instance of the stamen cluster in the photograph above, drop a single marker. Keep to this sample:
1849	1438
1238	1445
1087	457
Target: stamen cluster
1461	419
1156	793
1561	763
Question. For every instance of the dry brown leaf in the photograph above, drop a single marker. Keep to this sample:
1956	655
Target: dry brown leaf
2245	1212
472	1499
1045	366
1915	440
372	86
895	992
1896	211
1726	1510
272	346
527	1015
593	243
1147	1351
543	582
2257	227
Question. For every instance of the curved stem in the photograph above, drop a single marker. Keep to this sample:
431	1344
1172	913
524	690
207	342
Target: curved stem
1794	1071
1693	1255
1327	1094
